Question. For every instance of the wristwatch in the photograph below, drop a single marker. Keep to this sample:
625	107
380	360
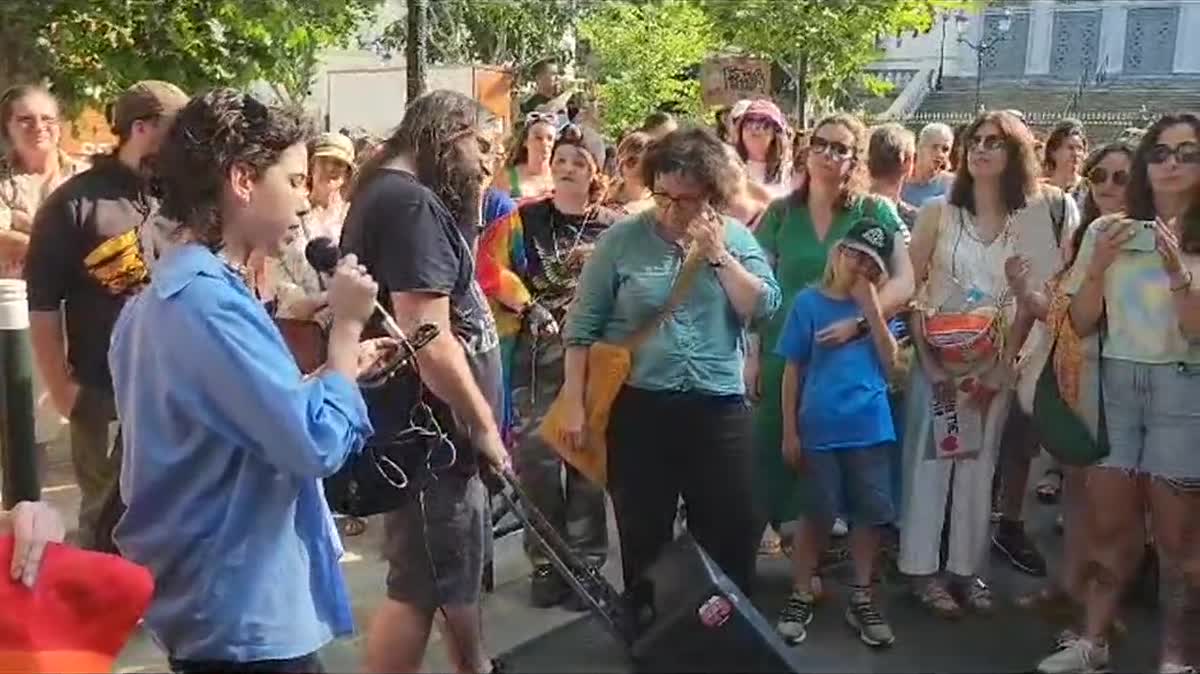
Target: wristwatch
862	326
720	261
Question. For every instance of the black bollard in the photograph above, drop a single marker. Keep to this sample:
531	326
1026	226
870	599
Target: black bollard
18	458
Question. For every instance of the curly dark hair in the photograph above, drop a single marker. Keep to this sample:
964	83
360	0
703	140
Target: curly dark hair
697	154
1059	135
431	126
213	133
11	96
1140	195
1020	178
855	184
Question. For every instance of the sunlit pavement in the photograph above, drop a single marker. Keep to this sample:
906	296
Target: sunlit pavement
508	618
554	640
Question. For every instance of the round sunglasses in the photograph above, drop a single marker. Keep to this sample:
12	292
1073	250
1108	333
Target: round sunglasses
1099	176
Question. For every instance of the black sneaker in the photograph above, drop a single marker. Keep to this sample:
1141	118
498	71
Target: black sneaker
547	588
1009	538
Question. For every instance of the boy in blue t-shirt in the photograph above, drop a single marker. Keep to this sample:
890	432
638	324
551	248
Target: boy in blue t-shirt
841	432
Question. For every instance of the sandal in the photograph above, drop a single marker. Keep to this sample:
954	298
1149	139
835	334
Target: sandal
352	526
1050	487
933	595
978	596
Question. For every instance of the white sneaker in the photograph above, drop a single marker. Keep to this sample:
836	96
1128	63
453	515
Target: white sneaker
1079	656
839	528
1176	668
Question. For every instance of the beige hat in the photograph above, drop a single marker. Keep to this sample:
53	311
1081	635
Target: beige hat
336	146
145	100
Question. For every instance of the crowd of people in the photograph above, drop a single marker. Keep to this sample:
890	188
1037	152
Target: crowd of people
836	332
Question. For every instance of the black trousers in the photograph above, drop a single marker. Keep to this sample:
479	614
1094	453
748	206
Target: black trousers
663	445
306	664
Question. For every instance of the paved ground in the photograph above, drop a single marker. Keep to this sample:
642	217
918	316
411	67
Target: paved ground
508	618
558	641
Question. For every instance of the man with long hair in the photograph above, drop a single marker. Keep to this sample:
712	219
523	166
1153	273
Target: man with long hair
413	213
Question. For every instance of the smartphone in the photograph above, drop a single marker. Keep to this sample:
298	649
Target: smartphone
1143	239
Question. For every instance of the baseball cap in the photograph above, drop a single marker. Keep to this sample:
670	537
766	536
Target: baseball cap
873	239
144	100
335	146
764	109
585	139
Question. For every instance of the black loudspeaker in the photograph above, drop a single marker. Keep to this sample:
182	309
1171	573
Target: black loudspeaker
683	615
690	617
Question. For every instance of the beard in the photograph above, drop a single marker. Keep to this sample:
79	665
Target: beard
458	181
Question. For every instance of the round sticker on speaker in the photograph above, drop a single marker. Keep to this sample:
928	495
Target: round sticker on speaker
715	612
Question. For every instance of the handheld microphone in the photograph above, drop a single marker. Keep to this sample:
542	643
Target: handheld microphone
323	254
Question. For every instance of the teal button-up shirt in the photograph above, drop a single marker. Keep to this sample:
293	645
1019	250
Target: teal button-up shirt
700	346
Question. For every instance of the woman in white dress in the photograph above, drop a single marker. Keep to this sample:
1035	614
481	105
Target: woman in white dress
978	253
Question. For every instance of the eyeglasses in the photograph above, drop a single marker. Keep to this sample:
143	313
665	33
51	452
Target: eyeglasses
541	118
687	203
989	143
830	148
1099	176
1184	153
33	121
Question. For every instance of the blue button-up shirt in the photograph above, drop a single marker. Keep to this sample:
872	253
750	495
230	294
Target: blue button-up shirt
700	346
224	447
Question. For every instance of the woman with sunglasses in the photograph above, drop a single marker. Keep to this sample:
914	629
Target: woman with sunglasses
987	248
797	234
1133	283
680	425
762	143
628	194
1107	172
534	259
526	175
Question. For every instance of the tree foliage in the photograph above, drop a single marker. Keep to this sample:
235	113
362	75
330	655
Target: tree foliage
513	33
92	49
834	39
644	56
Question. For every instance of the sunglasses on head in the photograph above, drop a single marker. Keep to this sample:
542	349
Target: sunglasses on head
541	118
1099	176
1184	153
570	133
830	148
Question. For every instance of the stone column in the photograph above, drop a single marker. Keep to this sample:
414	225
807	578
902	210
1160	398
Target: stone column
1111	55
1187	48
1041	37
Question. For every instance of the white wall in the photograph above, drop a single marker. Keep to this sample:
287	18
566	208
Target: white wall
923	52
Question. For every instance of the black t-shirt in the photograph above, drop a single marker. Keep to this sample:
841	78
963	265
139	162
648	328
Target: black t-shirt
409	242
84	258
555	245
534	101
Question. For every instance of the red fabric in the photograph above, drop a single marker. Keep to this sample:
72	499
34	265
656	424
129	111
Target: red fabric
86	603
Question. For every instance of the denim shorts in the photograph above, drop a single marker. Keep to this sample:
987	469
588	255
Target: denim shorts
854	482
1153	419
